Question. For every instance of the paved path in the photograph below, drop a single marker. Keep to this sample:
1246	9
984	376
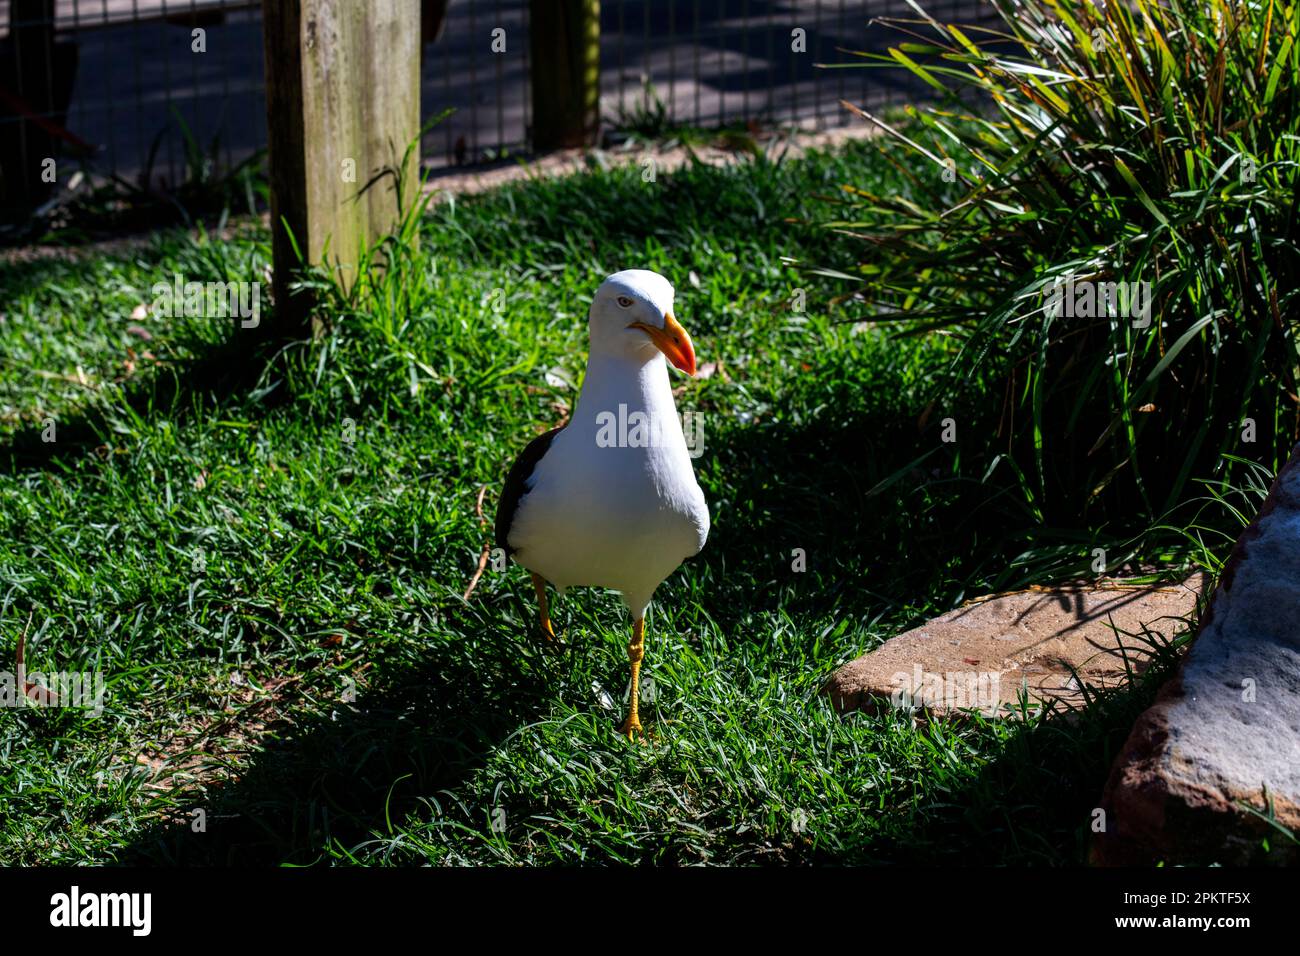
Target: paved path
709	62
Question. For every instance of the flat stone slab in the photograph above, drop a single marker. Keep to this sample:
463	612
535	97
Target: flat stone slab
1224	732
1044	640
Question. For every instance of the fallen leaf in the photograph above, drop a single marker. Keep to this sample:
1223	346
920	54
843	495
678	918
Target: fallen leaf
558	378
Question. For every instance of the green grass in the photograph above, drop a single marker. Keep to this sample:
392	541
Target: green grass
205	534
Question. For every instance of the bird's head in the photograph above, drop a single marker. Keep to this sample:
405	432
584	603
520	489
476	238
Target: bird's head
632	316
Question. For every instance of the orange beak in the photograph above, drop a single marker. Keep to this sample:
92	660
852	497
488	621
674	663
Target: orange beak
673	341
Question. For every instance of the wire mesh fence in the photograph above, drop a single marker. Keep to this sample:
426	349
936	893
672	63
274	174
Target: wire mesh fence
145	90
754	62
666	63
126	88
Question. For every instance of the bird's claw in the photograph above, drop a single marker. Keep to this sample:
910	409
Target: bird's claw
548	632
631	727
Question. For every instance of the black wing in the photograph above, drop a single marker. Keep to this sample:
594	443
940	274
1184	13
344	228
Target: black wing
516	480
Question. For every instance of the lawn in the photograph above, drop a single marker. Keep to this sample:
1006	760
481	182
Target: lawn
265	552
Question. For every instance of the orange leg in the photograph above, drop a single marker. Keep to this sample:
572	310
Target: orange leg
635	652
539	586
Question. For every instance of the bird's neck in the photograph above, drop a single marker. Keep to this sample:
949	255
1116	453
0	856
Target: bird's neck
618	385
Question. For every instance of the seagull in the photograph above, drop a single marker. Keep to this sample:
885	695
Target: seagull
610	499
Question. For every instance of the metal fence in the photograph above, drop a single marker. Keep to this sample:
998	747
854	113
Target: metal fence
131	89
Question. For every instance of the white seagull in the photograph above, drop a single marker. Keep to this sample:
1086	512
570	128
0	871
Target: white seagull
610	498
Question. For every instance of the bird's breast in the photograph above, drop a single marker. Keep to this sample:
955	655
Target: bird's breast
619	517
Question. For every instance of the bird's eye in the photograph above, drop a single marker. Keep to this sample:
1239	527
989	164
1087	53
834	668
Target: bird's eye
625	302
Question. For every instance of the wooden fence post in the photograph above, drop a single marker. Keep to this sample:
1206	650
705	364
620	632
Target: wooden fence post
342	103
565	72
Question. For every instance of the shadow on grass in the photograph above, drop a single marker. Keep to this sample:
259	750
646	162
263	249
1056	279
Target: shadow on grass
338	777
203	380
1034	803
833	518
415	739
896	552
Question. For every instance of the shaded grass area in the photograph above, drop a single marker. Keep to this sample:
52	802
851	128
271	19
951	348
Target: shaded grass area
265	553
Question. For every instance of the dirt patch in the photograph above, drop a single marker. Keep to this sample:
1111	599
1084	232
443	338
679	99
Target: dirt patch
209	748
471	181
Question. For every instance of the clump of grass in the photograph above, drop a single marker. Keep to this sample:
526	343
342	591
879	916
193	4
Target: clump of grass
1140	143
647	116
97	206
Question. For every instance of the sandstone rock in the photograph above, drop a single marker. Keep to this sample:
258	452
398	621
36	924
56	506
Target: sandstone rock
1225	730
979	656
